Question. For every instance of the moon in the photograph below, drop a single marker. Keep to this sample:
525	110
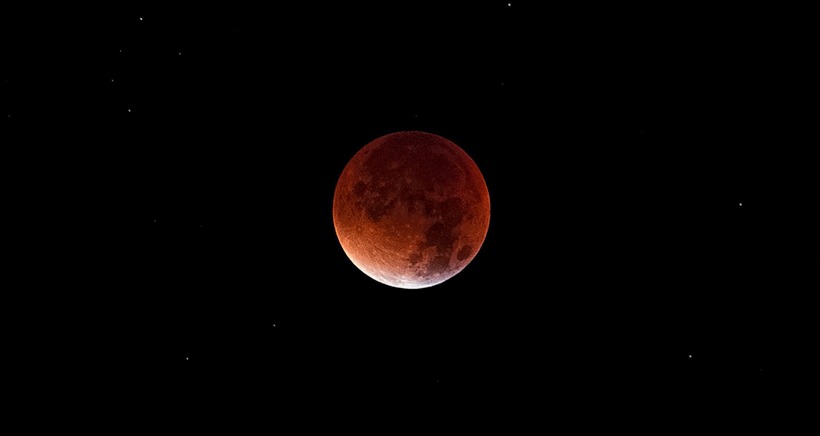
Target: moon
411	209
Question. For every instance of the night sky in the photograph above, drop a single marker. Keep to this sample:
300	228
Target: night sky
652	244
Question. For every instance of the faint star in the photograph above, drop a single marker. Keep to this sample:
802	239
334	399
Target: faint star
112	80
274	324
155	220
179	53
509	4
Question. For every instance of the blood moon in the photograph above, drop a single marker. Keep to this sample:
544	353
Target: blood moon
411	209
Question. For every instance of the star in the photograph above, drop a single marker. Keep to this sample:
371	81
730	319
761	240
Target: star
140	18
129	110
187	358
690	356
740	204
179	53
274	324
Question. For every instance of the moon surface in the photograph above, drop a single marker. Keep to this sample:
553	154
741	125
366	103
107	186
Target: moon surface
411	209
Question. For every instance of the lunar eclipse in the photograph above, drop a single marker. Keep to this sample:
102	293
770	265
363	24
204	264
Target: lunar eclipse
411	209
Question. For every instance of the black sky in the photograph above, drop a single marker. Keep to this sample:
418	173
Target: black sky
653	237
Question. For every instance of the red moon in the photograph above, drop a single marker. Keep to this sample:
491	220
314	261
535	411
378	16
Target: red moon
411	209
